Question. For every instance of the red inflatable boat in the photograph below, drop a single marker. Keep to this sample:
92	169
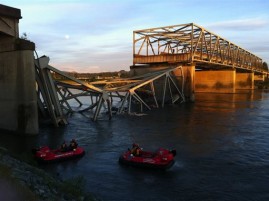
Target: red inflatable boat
161	159
45	154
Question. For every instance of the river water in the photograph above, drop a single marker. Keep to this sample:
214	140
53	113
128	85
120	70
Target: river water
222	144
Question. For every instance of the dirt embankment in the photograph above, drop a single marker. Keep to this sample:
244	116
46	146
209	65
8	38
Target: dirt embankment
21	181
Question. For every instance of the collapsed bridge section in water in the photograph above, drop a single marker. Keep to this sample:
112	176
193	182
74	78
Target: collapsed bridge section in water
117	95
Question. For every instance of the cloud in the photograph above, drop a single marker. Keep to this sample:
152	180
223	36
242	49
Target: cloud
73	68
240	24
87	59
85	34
248	33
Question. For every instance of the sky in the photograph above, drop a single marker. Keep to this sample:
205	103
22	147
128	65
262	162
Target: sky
97	35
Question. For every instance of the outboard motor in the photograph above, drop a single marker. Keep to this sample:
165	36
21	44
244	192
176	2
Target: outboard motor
174	152
34	150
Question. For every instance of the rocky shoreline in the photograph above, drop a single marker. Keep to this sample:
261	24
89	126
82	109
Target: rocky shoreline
42	185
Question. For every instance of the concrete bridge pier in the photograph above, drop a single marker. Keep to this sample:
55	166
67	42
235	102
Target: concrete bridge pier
215	81
244	80
223	81
188	77
18	101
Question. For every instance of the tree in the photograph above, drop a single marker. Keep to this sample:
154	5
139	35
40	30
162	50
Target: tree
24	36
265	66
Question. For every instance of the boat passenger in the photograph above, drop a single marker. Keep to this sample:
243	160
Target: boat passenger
64	147
136	150
73	144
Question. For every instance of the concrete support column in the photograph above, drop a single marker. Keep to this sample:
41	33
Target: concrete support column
218	81
244	80
259	77
18	101
189	76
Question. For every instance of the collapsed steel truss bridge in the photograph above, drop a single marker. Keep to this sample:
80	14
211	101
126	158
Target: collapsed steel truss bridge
108	96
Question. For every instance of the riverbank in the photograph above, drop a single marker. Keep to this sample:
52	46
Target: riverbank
21	181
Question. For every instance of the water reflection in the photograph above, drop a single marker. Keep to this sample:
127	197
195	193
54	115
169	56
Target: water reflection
221	140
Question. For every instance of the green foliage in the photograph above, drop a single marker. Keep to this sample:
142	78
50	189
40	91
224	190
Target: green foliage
21	190
4	171
91	77
74	187
24	36
71	189
265	66
262	85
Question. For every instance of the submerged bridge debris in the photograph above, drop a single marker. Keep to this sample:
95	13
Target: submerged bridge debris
107	97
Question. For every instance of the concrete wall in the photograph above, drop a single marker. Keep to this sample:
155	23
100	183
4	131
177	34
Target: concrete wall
244	81
18	101
221	81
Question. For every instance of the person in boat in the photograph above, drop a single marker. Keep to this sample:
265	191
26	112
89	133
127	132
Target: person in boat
64	147
73	144
136	150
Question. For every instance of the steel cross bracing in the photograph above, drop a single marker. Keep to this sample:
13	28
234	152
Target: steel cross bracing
113	96
190	43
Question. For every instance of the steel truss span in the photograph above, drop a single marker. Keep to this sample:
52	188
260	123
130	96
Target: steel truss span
190	43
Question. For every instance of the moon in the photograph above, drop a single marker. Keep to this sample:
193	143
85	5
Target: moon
66	36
